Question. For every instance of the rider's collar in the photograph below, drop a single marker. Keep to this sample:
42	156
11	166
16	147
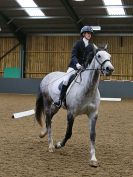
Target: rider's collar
85	41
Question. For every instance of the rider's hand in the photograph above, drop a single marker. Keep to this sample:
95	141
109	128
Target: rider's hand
78	66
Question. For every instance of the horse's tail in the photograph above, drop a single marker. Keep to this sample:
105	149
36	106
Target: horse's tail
39	107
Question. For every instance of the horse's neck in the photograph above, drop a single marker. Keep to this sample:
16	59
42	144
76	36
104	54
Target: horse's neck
91	77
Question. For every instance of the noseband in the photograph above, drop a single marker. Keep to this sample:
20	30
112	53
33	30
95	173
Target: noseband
101	64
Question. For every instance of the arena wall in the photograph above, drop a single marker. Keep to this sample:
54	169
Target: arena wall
45	54
111	89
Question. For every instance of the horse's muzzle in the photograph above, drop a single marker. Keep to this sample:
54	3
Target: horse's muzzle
109	71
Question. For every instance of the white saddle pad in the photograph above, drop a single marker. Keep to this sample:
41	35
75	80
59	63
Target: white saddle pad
54	86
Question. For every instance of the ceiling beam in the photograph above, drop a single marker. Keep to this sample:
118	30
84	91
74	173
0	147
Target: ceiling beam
23	8
60	8
73	30
104	6
14	29
117	25
72	14
77	21
108	16
47	26
38	17
50	25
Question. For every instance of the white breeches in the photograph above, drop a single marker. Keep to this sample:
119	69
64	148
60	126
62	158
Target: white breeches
69	73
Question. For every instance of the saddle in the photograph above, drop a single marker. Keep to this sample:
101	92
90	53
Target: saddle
60	88
69	82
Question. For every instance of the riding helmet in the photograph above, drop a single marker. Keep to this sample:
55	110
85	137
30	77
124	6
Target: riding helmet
86	29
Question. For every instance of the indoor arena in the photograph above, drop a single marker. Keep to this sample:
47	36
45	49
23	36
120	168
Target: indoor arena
85	47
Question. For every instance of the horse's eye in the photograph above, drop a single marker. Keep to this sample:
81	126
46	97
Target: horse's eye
98	56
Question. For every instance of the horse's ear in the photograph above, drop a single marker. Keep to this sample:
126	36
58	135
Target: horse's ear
95	48
106	46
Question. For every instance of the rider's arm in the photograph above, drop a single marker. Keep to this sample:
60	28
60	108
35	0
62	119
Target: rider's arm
75	53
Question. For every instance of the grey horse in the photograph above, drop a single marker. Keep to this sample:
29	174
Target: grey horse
82	97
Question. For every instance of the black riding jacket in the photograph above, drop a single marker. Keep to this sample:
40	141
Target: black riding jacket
81	54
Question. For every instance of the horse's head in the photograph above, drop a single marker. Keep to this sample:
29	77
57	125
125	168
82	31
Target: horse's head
102	58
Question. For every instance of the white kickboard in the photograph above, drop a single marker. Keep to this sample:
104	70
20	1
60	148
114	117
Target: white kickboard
110	99
23	114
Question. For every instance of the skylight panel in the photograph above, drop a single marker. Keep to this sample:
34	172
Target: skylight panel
96	28
30	7
114	10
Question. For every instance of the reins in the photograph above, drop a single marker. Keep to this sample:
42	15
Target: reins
101	64
91	69
82	70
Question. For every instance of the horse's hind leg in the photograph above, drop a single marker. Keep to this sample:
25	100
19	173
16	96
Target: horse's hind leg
44	130
49	131
39	109
48	114
50	110
70	121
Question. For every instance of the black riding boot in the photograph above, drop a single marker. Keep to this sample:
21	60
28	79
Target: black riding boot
62	96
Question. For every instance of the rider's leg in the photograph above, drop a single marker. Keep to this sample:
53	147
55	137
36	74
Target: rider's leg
70	72
62	96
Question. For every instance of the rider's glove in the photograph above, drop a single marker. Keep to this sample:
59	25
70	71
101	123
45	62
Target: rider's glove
78	66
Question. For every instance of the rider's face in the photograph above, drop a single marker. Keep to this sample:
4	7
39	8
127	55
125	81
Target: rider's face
87	35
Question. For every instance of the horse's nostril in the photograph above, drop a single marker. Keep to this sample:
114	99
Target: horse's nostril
109	69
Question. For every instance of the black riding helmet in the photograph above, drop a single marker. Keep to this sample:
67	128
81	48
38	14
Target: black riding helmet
86	29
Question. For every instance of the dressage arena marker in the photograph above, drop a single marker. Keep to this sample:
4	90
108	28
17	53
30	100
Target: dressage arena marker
23	114
32	111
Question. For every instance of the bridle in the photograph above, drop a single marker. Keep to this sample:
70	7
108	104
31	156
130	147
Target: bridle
101	64
101	67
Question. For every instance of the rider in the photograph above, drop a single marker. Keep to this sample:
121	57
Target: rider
82	55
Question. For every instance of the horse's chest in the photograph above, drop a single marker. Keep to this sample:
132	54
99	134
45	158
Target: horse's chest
82	104
88	106
85	107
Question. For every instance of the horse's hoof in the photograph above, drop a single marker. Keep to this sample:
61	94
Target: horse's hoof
52	148
42	134
58	145
94	163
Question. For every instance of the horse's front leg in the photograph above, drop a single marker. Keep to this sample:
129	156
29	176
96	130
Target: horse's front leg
70	121
93	118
